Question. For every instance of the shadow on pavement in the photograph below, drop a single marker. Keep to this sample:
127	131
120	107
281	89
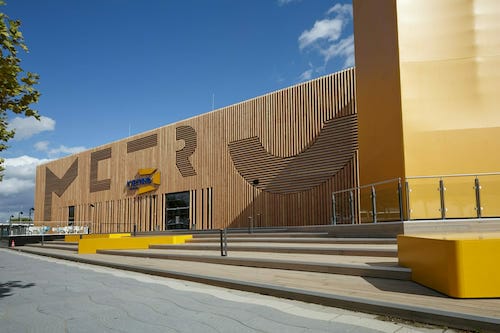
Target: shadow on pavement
6	288
404	287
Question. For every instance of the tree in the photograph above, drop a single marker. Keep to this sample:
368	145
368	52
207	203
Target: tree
17	91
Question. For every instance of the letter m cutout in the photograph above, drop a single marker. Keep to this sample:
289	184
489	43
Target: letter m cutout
54	184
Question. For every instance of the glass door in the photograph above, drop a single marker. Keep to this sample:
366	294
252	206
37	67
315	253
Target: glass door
177	210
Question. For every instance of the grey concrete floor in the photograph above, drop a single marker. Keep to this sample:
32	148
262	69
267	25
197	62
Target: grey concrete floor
39	294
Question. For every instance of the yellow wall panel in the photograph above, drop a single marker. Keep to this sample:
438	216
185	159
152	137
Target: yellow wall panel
427	75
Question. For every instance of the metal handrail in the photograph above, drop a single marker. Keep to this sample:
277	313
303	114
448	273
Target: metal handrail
456	175
403	185
368	185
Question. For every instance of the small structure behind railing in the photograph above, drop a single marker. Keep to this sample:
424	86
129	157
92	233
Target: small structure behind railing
381	201
57	227
437	197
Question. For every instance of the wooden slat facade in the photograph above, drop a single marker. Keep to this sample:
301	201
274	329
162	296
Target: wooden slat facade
300	143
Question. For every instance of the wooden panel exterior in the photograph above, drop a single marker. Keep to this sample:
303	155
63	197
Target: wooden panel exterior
300	142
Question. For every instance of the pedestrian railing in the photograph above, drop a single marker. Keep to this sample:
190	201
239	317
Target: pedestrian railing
454	196
419	197
381	201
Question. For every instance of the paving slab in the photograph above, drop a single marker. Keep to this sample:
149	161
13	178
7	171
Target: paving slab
404	299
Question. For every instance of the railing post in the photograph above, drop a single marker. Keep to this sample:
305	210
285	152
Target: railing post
250	224
351	205
400	199
441	197
374	205
334	210
223	242
408	208
477	188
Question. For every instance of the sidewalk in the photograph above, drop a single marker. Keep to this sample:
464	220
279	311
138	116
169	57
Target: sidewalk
394	298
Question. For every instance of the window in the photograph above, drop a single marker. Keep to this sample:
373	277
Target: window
177	211
71	215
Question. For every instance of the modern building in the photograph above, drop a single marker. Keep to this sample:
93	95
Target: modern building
413	132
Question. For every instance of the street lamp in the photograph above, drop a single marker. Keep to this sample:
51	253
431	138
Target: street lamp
10	224
255	183
31	210
19	217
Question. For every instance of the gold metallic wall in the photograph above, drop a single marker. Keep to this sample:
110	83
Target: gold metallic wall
435	76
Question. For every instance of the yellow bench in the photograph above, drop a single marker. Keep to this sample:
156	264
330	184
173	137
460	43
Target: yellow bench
91	245
459	265
76	238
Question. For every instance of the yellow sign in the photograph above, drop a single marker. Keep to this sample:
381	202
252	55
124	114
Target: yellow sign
147	181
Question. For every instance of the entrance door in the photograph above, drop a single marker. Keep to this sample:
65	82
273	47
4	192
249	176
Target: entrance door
71	215
177	210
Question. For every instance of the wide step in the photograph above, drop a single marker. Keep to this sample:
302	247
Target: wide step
374	252
297	264
297	240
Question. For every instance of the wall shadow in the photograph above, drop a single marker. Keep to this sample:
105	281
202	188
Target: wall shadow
403	287
7	287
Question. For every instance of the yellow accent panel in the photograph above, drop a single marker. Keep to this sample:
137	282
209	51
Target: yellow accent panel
378	97
156	178
91	245
460	265
145	189
76	238
71	238
449	62
427	97
145	172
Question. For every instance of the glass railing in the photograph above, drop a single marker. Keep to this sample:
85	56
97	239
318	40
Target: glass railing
382	201
453	196
419	198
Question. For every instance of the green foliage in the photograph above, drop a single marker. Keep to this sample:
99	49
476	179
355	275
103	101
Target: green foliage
20	220
17	91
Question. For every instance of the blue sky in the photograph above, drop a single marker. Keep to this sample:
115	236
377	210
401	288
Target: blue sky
110	68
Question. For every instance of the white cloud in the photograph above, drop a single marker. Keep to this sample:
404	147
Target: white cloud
286	2
41	145
306	75
59	151
344	48
329	39
63	150
22	167
27	127
329	30
341	10
18	185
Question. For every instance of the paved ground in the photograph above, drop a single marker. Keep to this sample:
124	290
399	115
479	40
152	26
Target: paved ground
39	294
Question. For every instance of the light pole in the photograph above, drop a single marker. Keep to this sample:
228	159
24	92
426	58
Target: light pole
92	206
31	210
10	224
255	183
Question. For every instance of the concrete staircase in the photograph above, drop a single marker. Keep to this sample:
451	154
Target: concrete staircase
359	274
310	252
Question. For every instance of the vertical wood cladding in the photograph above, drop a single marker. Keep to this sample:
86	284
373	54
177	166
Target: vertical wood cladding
300	142
58	186
142	143
95	184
